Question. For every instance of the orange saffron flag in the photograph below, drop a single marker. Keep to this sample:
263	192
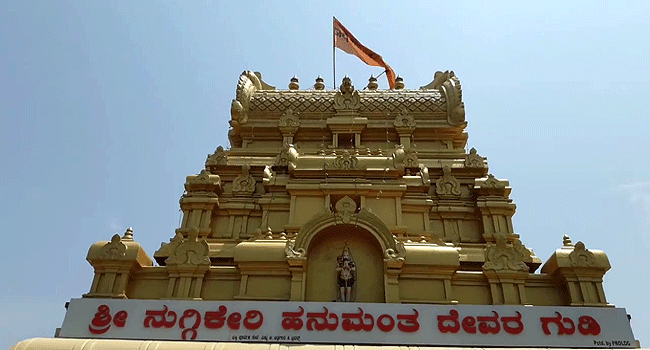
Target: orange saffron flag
345	41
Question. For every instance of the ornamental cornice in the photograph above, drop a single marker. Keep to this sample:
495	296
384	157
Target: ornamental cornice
442	99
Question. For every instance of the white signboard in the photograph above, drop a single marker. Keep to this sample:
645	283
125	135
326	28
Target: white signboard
349	323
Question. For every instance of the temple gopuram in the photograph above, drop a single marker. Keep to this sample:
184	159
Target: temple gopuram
347	218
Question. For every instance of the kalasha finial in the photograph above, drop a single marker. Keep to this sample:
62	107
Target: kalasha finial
372	83
319	83
293	85
566	241
128	234
399	83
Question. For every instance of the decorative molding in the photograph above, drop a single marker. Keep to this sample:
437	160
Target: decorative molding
289	120
345	208
291	253
503	256
493	182
474	160
114	249
347	98
404	120
447	185
344	162
286	158
396	254
453	93
219	157
167	249
190	251
582	257
244	184
411	158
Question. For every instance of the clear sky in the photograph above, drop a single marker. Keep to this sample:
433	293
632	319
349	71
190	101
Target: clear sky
105	107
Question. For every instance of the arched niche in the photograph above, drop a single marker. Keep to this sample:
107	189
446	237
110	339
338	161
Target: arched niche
323	250
364	219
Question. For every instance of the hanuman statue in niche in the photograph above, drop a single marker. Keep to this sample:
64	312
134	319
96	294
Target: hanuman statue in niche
346	269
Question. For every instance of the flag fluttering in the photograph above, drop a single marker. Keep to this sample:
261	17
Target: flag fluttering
345	41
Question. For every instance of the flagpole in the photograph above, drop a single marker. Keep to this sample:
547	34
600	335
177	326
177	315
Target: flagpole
333	53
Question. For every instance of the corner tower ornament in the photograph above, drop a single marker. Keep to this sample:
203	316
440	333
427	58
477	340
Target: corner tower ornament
337	205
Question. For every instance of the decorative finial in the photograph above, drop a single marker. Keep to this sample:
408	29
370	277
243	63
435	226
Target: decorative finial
399	83
319	83
566	241
128	234
269	233
372	83
346	85
293	85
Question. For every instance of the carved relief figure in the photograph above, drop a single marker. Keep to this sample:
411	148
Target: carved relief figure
346	269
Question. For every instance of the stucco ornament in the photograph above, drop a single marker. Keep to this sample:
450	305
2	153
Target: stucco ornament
345	209
244	184
289	119
190	251
347	97
503	256
346	161
167	249
286	158
291	252
581	256
397	254
219	157
447	185
346	269
493	182
424	174
404	120
114	249
474	160
411	158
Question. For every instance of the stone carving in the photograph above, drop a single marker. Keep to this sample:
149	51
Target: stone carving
453	93
474	160
424	174
167	249
114	249
219	157
248	83
289	120
344	162
438	78
291	253
347	98
581	256
396	254
345	209
411	158
346	279
404	120
399	156
286	158
190	251
503	256
447	185
493	182
244	184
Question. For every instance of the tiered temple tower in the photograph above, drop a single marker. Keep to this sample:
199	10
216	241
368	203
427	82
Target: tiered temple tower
346	195
385	173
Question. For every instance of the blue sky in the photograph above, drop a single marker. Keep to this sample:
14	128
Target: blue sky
105	107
